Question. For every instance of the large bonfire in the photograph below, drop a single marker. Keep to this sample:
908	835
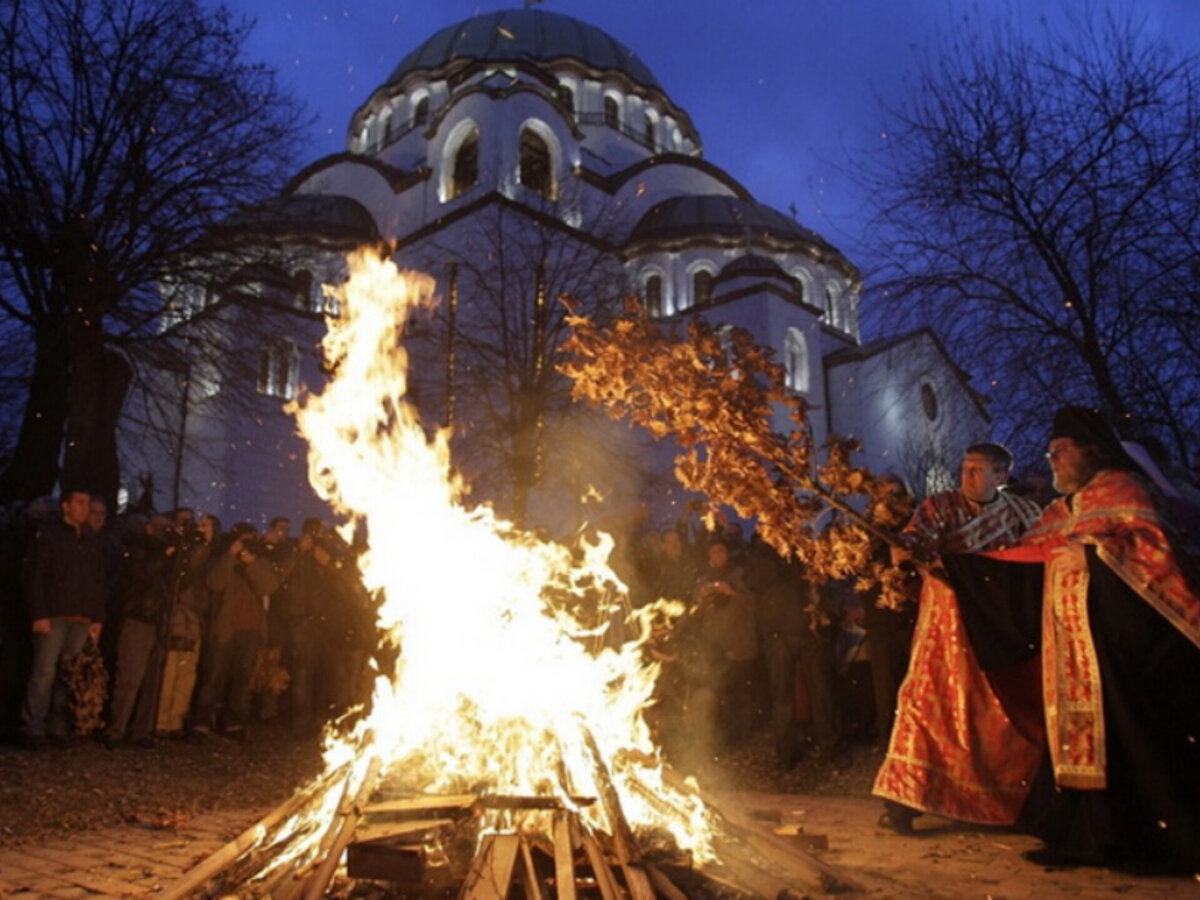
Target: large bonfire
501	685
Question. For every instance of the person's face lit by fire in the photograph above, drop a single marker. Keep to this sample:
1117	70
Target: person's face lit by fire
208	529
279	531
979	478
75	508
1071	465
718	556
97	515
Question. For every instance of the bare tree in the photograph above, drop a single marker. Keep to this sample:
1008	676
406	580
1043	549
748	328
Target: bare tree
128	128
1038	201
490	352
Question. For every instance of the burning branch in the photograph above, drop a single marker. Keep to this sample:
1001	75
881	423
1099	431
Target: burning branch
715	394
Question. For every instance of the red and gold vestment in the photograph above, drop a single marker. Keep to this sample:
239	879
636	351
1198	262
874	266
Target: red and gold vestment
954	748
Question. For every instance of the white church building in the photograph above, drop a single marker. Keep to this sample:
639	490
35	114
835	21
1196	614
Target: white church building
517	157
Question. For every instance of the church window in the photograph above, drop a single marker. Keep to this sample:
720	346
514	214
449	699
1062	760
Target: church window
421	112
612	112
536	170
702	287
929	401
802	285
832	305
465	172
566	97
654	295
650	130
279	369
795	360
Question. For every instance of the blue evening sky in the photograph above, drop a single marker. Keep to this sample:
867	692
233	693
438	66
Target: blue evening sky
780	90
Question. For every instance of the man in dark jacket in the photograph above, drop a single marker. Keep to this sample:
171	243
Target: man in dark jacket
243	579
143	589
65	585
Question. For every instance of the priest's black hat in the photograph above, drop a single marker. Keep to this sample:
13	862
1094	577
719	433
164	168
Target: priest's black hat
1083	425
1086	425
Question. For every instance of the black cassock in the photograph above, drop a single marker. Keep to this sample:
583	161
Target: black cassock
1148	817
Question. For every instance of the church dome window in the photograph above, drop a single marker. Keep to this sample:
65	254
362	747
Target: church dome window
650	131
566	97
536	163
653	292
421	112
612	111
802	285
461	160
702	287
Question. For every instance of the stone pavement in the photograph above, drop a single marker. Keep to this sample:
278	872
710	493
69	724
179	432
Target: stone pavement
128	861
944	860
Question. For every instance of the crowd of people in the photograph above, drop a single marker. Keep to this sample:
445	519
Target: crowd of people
1031	682
199	630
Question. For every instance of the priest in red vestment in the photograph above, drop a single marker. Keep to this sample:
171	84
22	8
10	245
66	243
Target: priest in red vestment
950	716
1114	609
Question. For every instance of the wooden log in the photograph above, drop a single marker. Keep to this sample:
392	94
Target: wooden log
423	806
785	855
408	831
663	885
256	834
564	856
389	858
343	829
619	830
491	871
533	886
605	881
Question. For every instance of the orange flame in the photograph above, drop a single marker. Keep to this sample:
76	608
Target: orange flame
498	685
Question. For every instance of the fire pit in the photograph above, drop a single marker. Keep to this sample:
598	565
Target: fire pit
512	746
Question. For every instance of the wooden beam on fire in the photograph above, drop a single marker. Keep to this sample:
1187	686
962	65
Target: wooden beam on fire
623	841
491	872
605	881
215	864
342	829
564	855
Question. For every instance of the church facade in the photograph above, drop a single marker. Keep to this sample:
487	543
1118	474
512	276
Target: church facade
523	158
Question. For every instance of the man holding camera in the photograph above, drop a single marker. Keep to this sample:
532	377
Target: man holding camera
241	578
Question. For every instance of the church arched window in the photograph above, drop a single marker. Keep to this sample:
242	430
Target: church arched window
279	369
612	111
654	295
421	112
802	285
464	166
833	312
537	164
650	130
795	360
702	287
566	97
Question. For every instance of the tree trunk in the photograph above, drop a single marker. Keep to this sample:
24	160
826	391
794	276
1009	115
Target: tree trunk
33	469
99	381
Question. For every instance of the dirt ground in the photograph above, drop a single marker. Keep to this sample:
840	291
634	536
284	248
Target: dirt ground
54	796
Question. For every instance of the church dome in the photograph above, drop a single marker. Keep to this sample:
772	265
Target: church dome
753	265
718	214
524	35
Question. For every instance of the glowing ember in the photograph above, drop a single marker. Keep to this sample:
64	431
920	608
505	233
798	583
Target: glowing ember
500	680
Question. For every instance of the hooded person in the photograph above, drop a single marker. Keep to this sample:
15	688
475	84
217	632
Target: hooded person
1104	590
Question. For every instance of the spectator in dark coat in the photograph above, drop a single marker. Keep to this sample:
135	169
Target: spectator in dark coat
65	581
143	591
